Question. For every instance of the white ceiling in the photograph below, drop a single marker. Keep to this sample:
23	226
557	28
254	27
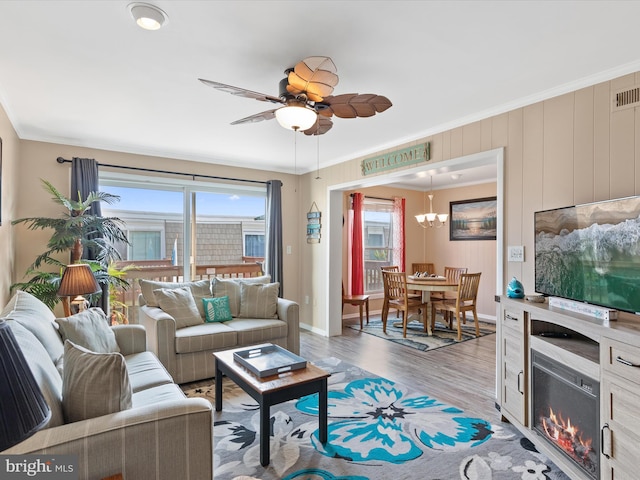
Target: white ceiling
82	73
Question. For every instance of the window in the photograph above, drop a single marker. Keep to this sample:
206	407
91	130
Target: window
254	245
378	242
144	245
170	220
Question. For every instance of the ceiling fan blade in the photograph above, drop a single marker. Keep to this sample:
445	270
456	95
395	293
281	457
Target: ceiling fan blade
352	105
315	76
241	92
322	125
258	117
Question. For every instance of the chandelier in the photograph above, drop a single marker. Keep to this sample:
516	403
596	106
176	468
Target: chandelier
432	219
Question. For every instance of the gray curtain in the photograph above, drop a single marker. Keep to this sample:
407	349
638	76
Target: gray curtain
274	232
84	180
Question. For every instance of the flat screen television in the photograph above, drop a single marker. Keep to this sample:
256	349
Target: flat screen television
590	253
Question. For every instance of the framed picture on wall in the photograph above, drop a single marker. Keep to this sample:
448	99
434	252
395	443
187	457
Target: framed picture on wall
474	219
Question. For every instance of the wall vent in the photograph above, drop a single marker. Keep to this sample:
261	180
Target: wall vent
626	98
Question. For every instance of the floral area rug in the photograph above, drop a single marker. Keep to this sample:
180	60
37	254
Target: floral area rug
416	336
378	429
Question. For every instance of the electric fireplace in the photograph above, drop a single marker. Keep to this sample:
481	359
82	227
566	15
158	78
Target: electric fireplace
566	411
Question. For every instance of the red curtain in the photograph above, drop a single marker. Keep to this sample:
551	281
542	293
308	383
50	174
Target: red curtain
399	241
357	251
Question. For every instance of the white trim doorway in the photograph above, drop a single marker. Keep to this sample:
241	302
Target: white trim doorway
333	278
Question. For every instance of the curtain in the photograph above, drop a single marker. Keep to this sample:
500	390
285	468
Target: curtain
273	248
84	180
399	240
357	253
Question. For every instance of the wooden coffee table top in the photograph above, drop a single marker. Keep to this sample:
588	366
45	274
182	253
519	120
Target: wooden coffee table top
273	382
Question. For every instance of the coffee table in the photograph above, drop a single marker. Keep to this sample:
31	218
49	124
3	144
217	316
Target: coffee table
273	390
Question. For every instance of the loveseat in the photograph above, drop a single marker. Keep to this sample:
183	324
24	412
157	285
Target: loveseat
119	411
184	333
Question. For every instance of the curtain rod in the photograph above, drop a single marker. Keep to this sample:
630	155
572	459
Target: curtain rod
375	198
152	170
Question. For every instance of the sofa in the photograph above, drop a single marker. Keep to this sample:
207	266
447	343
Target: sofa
118	410
186	322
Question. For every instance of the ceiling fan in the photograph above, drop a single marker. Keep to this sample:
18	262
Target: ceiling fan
307	103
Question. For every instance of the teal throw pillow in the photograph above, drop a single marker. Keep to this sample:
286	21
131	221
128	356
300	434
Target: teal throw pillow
217	309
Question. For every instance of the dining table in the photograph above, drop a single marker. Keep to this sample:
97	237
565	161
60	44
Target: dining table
426	285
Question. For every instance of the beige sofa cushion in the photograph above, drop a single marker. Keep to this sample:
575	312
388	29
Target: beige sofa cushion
199	289
44	372
180	304
207	336
259	301
36	317
89	329
231	287
252	331
145	371
94	384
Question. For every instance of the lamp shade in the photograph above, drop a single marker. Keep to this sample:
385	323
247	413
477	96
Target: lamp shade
23	409
77	279
295	117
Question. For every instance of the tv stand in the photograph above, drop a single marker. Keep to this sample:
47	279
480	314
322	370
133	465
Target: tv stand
606	352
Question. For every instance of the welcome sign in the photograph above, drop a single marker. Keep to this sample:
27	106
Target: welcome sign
397	159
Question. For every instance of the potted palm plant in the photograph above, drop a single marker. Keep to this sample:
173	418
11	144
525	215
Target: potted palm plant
77	230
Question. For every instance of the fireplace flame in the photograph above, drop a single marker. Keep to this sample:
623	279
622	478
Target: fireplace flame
566	436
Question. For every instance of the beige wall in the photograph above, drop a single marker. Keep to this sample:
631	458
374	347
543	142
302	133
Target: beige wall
10	167
563	151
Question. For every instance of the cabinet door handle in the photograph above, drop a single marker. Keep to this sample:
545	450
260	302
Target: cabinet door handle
621	360
510	317
520	373
602	440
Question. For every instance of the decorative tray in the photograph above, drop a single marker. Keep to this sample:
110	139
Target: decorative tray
268	359
435	278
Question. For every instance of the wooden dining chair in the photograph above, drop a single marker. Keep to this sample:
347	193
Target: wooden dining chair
423	267
452	274
396	296
464	301
412	294
356	300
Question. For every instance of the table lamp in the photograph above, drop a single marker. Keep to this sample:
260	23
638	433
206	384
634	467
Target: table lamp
77	280
23	409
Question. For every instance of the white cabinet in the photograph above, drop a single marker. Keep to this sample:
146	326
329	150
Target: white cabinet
620	409
513	372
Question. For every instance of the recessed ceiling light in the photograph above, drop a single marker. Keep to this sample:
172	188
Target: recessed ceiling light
148	16
456	176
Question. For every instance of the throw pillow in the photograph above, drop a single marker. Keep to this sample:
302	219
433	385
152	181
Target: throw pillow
259	301
180	304
230	287
199	289
217	309
36	317
89	329
93	384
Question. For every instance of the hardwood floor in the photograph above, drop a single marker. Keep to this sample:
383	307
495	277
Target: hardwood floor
463	375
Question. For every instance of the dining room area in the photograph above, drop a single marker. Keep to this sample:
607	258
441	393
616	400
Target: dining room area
424	292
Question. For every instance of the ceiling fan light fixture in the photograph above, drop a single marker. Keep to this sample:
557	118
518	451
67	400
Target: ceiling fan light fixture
294	117
148	16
